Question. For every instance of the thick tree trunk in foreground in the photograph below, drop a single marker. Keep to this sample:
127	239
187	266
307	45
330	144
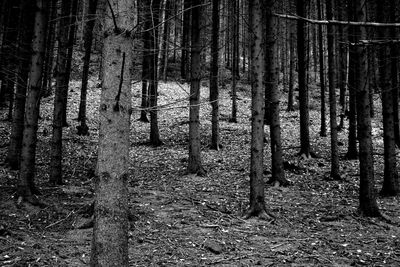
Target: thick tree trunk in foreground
110	231
26	186
194	162
24	52
257	201
368	205
214	91
83	129
332	95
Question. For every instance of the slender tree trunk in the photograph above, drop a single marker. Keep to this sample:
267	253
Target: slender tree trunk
257	201
214	92
272	79
368	205
394	55
194	163
305	149
343	56
321	71
332	94
390	178
26	186
49	54
153	74
110	230
292	63
185	40
90	17
24	51
352	152
61	87
235	58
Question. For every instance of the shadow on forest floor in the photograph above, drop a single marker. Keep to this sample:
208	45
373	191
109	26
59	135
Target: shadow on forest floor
180	219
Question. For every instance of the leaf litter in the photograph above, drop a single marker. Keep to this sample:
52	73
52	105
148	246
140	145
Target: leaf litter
185	220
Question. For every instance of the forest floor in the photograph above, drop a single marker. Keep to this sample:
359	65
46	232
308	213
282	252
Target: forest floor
185	220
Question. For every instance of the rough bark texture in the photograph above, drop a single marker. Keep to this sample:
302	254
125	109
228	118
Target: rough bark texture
110	231
61	87
332	95
194	163
214	92
257	201
368	205
24	52
390	178
26	186
303	88
83	129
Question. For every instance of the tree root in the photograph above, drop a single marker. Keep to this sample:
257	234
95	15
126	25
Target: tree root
263	215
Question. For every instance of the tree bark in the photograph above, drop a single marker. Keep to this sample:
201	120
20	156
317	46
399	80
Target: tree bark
185	40
61	87
214	92
305	149
194	162
24	46
83	129
332	95
321	71
390	179
257	201
110	231
367	196
26	186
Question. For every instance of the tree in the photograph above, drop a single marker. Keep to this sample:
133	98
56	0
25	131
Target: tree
194	162
321	70
332	95
154	20
60	94
305	149
390	179
26	188
367	196
90	11
185	44
272	80
24	46
257	201
214	92
110	231
235	57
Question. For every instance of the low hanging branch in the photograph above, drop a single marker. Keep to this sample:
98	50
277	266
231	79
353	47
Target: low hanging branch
337	22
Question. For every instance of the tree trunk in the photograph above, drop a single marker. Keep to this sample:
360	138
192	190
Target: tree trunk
235	58
185	40
90	11
368	205
272	71
24	46
26	186
257	201
352	152
61	87
332	94
153	73
110	230
70	50
292	63
214	92
194	163
305	149
390	178
321	71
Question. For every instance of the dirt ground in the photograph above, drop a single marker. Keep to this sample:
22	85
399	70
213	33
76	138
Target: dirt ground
185	220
